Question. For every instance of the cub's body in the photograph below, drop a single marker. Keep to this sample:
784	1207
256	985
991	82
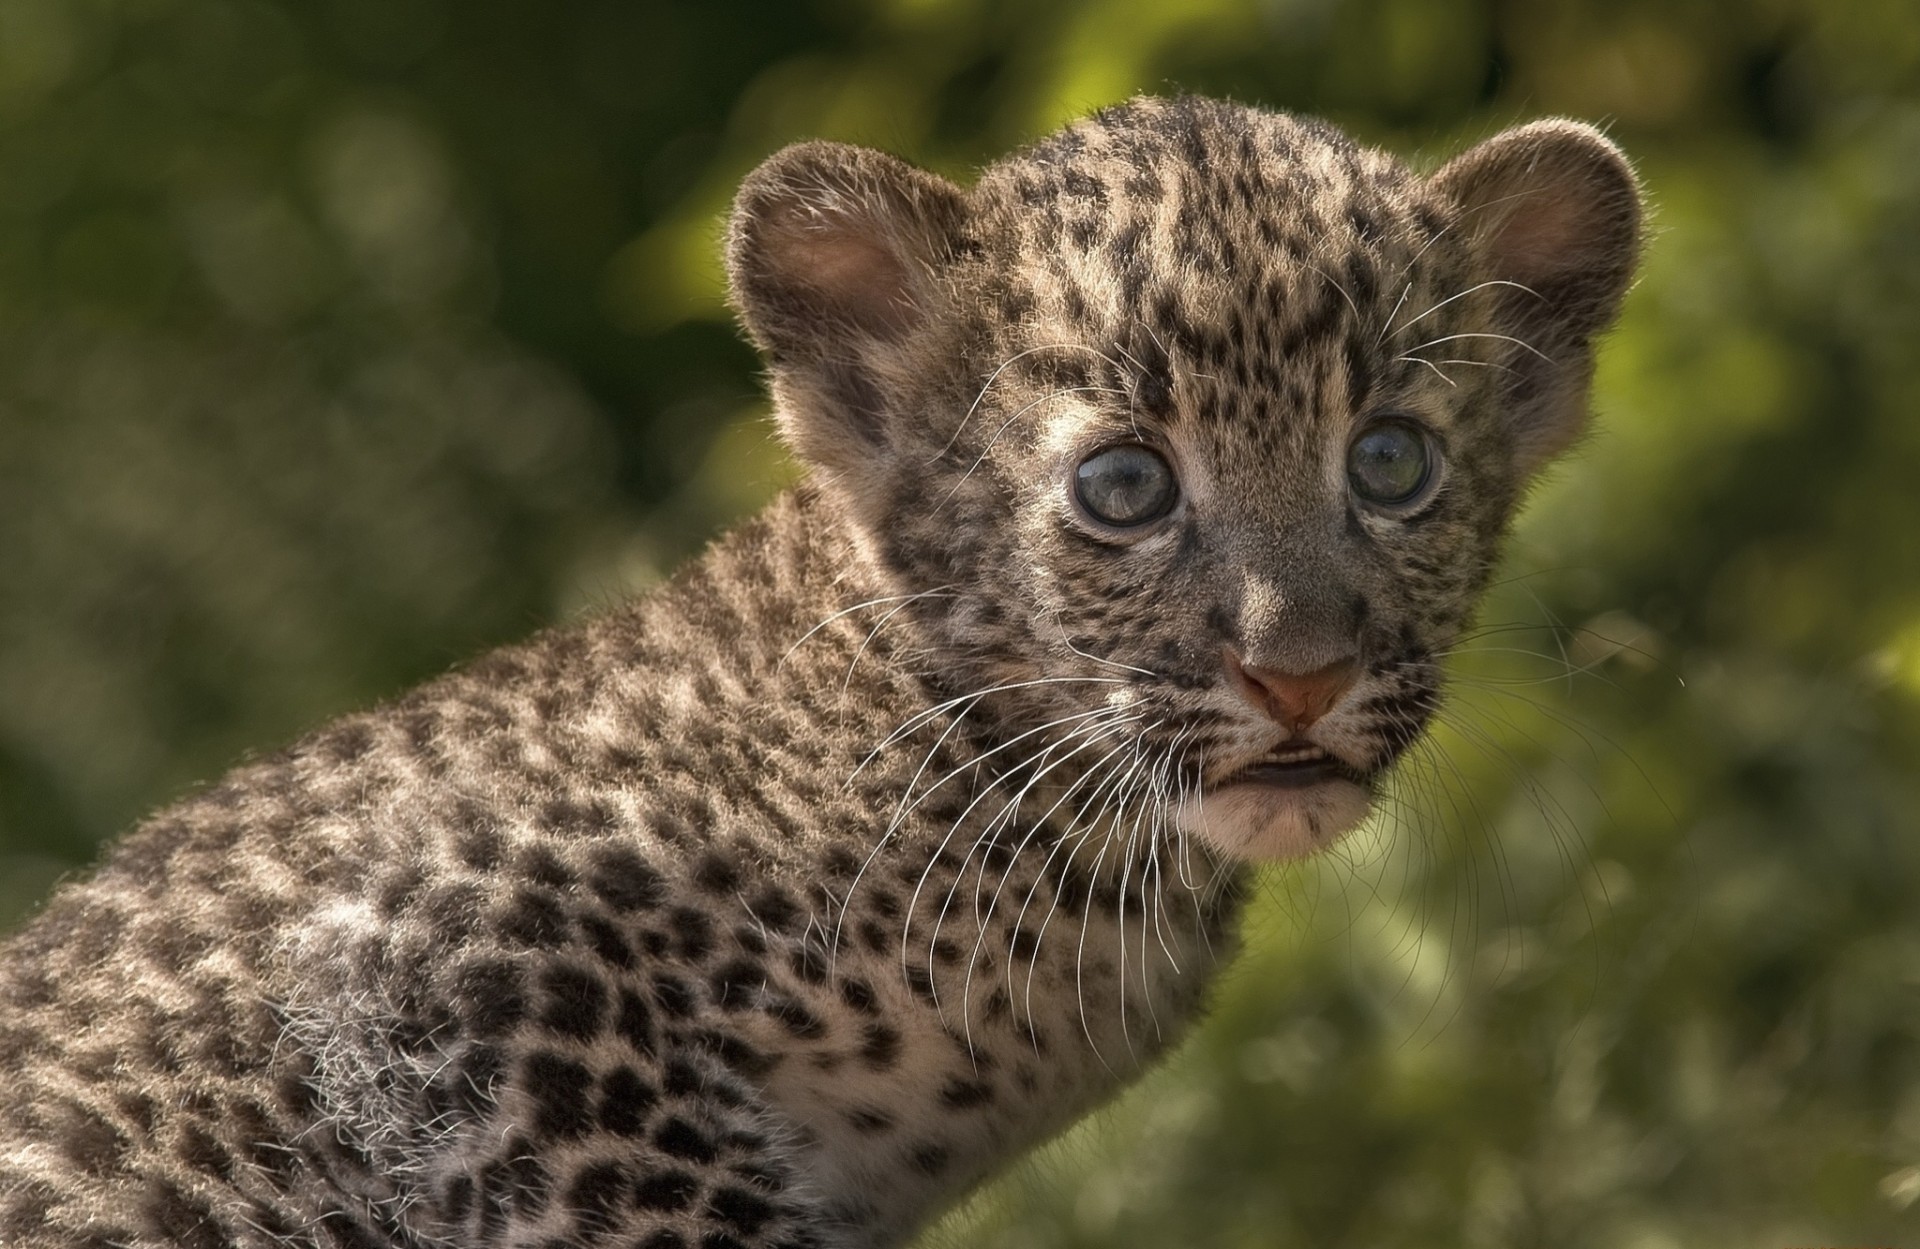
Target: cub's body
1149	479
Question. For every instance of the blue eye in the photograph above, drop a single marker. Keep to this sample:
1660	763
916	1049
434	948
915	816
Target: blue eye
1125	486
1390	463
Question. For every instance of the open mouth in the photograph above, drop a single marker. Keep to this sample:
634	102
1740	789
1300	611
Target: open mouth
1290	767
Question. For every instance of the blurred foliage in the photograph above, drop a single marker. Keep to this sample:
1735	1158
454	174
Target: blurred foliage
344	338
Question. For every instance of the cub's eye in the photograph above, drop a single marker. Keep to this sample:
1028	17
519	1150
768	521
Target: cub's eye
1390	463
1125	486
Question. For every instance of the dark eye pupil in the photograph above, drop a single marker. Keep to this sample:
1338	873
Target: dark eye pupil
1388	463
1125	486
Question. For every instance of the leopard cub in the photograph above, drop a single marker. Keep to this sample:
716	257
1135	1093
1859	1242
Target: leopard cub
1149	477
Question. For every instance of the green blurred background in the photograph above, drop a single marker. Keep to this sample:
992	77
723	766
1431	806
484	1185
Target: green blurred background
340	339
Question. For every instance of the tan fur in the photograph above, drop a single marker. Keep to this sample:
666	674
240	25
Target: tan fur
909	822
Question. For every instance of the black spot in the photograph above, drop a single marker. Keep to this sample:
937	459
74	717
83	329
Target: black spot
397	892
797	1019
725	1093
606	941
596	1193
775	907
868	1121
860	996
1024	945
873	936
682	1140
810	961
534	918
749	939
625	1099
140	1109
297	1094
493	1204
674	996
930	1158
576	1003
197	1148
559	1088
479	843
920	980
667	828
737	983
1153	392
183	1219
348	742
566	818
519	1181
880	1046
716	873
739	1208
473	1083
681	1078
95	1146
542	866
666	1190
736	1054
635	1022
966	1094
1082	185
624	880
453	910
693	930
456	1199
720	1240
839	862
343	1232
1071	890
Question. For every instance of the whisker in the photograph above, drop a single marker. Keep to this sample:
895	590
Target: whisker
1462	295
921	718
984	921
1505	338
1007	424
941	591
1111	663
1093	732
1003	367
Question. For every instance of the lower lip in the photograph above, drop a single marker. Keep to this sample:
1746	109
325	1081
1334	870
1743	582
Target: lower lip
1287	775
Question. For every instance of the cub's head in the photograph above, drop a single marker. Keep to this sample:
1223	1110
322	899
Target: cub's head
1205	423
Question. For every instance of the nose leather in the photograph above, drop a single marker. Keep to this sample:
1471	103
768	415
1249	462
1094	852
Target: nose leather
1293	699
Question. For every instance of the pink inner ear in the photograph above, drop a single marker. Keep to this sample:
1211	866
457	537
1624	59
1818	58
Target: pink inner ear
862	279
1546	232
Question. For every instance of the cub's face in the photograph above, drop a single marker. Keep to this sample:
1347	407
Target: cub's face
1199	425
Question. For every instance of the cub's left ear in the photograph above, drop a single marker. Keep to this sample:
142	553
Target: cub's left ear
1554	209
834	256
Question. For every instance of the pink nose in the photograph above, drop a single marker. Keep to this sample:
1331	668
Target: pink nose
1293	699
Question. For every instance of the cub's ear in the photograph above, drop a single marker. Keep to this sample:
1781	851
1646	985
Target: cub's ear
1553	209
834	256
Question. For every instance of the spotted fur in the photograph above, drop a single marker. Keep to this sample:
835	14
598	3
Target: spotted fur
779	907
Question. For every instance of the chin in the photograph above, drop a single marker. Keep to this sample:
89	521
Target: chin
1255	822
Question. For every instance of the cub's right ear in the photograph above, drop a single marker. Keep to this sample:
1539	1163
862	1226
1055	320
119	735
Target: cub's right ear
834	257
1554	209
